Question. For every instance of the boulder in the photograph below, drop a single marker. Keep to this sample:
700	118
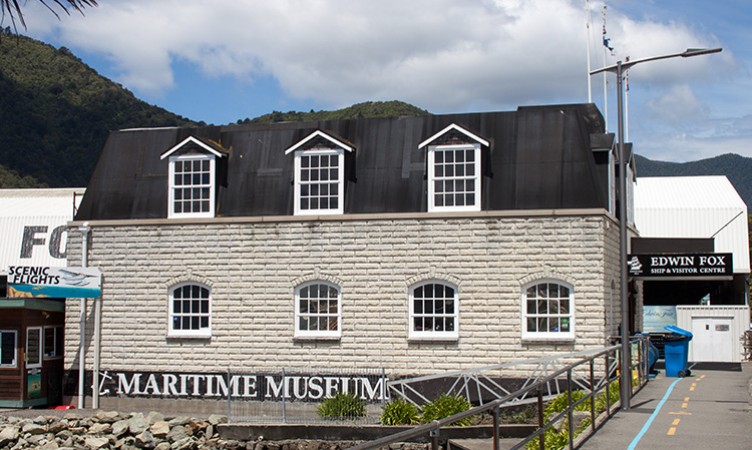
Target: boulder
96	442
216	419
137	423
145	440
120	427
8	434
160	429
154	417
177	433
107	416
100	428
33	428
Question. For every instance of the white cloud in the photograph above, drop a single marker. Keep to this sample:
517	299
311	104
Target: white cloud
442	55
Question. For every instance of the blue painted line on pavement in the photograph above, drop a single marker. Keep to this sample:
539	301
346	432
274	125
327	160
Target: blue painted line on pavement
645	427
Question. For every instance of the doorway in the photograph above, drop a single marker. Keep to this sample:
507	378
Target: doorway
712	339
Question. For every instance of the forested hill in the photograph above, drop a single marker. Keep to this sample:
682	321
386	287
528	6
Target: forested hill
56	112
737	168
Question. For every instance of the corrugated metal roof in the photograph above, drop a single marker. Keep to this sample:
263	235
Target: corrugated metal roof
694	207
34	216
538	158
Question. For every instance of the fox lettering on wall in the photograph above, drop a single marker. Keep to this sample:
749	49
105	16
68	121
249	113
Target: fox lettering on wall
40	236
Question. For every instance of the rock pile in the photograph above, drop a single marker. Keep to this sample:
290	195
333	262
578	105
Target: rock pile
135	431
110	430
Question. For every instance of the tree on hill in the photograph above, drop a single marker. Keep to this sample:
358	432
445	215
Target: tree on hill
392	108
56	113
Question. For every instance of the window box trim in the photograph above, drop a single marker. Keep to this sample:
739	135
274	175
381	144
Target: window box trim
29	363
316	335
171	214
201	333
432	176
340	182
547	336
433	336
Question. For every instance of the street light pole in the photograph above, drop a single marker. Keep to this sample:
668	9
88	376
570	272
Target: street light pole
625	379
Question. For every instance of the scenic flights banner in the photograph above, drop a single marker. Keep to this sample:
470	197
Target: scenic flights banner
54	282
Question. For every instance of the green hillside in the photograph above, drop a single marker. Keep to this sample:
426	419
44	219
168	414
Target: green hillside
56	112
366	109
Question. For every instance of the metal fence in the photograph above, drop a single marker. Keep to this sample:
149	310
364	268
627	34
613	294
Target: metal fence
593	385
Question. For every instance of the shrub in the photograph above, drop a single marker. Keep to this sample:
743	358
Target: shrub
445	406
555	440
400	412
342	406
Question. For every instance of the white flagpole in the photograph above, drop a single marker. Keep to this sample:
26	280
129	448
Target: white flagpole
588	38
605	79
626	105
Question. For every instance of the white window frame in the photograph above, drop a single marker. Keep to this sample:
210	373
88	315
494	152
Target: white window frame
317	334
55	330
432	150
201	332
299	154
38	363
211	185
414	334
570	316
14	363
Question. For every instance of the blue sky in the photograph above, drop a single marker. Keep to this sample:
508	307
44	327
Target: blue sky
226	60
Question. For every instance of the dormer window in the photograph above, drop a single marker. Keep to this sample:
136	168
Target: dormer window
454	170
319	174
192	178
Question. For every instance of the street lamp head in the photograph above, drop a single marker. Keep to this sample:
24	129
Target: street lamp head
699	51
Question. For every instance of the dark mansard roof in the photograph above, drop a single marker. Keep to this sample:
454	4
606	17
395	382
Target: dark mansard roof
541	157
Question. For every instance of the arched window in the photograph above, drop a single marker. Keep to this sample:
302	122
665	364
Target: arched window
190	310
548	310
434	311
318	310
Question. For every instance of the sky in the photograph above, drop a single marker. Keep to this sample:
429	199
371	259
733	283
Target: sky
227	60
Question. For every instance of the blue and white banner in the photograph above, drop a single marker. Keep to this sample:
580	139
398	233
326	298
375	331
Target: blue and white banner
54	282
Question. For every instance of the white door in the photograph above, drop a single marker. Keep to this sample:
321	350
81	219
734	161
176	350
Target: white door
712	339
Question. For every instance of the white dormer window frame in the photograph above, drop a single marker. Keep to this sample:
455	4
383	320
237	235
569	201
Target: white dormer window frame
192	179
319	175
454	171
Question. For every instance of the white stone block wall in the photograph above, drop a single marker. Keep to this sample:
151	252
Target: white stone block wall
253	265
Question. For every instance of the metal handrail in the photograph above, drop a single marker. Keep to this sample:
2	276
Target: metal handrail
432	430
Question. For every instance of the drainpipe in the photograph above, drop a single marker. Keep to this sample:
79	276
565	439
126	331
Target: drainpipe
82	317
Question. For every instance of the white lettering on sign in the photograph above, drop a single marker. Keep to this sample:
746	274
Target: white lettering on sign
244	386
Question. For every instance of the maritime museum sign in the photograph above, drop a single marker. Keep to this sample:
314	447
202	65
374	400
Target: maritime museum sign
257	387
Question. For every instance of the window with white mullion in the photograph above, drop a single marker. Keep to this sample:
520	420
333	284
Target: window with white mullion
318	311
434	311
192	186
454	177
319	181
190	311
548	310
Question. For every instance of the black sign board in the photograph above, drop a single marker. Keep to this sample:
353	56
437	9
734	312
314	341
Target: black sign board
698	265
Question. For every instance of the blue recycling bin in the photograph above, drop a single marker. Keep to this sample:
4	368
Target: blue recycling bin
676	351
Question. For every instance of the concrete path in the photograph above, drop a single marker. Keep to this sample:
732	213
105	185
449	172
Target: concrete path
711	409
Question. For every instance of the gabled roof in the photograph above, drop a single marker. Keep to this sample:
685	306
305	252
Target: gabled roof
454	127
534	158
204	144
339	142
